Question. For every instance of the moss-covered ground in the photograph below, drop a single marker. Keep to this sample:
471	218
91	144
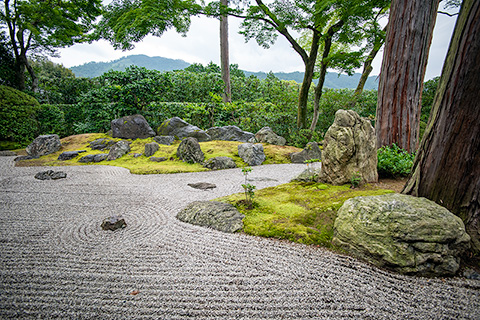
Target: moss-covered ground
143	165
297	211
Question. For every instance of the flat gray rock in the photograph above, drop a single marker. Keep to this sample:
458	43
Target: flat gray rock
202	185
217	215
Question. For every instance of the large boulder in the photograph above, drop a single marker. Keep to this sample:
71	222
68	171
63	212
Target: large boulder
151	148
189	151
311	151
118	150
251	153
230	133
181	129
217	215
266	135
406	234
349	149
43	145
131	127
219	163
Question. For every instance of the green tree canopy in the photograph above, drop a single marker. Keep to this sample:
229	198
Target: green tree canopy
127	21
38	27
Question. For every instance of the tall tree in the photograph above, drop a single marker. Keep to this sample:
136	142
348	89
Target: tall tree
40	27
447	166
224	54
409	34
325	19
7	65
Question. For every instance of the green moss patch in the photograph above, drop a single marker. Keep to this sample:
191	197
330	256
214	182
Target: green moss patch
297	211
143	165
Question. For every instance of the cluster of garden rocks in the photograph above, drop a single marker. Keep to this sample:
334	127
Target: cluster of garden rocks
136	127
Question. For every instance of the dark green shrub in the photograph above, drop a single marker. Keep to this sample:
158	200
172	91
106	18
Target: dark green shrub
51	119
17	116
394	162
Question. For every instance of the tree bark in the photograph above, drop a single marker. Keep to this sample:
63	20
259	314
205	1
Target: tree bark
447	166
224	55
405	57
307	82
323	71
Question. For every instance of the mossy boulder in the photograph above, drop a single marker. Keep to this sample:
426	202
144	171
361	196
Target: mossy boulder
131	127
406	234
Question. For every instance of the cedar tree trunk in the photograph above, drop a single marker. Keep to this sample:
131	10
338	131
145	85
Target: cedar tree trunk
405	57
447	166
224	55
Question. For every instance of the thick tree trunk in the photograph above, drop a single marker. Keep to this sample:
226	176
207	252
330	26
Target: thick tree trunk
447	166
224	55
323	71
307	82
405	57
20	72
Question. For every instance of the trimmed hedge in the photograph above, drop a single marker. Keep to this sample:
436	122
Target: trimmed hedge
18	120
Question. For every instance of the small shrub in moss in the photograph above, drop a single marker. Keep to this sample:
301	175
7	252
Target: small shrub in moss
394	162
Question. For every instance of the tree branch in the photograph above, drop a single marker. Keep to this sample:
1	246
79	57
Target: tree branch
448	14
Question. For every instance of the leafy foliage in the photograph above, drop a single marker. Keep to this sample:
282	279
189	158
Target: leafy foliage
125	22
394	162
17	115
38	27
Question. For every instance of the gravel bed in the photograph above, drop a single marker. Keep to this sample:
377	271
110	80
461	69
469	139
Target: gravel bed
57	262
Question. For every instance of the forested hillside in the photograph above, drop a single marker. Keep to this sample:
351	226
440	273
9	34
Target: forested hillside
94	69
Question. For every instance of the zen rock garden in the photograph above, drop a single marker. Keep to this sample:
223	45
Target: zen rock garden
401	233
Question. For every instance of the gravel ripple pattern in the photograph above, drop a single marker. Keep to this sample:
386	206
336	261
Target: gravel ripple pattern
57	262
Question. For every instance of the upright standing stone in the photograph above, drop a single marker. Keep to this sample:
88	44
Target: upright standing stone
189	151
251	153
118	150
349	149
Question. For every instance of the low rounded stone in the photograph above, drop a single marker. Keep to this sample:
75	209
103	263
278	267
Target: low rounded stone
403	233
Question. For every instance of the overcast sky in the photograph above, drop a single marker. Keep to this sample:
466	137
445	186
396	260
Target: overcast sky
202	45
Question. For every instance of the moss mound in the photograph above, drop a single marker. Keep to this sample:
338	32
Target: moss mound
297	211
143	165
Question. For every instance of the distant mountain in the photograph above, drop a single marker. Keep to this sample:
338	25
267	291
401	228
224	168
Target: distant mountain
333	80
94	69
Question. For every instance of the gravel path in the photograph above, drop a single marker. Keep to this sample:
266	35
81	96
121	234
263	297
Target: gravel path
56	262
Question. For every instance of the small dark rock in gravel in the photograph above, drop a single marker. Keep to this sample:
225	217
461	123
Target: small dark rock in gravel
471	274
7	153
50	175
202	185
113	223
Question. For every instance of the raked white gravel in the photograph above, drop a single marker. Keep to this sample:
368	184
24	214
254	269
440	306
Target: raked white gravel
56	261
